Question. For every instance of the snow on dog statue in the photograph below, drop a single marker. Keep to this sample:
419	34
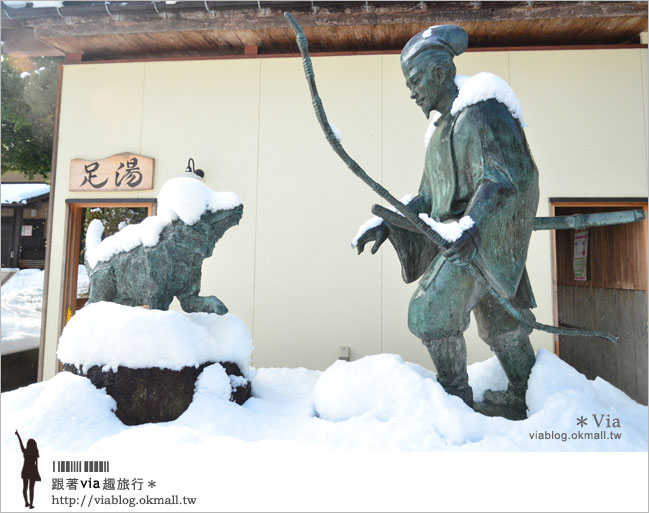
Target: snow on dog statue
149	263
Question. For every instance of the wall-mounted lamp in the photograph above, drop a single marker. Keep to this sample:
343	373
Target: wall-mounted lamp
190	169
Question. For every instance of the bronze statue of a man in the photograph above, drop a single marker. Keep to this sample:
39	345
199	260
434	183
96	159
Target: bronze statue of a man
477	164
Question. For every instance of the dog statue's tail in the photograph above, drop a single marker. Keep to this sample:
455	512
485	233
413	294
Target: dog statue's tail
93	238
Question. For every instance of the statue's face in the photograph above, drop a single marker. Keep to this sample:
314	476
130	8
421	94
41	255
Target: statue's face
425	86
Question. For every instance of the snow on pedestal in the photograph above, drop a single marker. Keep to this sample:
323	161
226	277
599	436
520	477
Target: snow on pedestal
149	360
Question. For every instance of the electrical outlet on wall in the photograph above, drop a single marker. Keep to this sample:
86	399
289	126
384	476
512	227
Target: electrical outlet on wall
343	353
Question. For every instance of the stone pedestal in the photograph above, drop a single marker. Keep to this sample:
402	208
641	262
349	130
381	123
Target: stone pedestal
154	394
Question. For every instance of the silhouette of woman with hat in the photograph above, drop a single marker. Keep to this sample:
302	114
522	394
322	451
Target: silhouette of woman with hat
29	473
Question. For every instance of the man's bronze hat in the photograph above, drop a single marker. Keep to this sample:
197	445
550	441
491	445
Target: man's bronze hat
450	38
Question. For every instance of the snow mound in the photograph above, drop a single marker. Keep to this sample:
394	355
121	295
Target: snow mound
213	382
380	385
559	393
377	403
65	411
386	389
181	198
110	335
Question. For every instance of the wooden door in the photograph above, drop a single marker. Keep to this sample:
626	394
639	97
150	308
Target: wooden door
74	236
612	296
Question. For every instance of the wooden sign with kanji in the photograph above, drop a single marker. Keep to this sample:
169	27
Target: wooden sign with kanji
121	172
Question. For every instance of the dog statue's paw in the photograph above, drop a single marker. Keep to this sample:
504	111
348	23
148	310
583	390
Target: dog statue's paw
209	304
216	306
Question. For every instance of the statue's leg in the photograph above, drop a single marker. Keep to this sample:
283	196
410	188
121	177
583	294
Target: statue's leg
209	304
449	357
102	284
439	314
510	341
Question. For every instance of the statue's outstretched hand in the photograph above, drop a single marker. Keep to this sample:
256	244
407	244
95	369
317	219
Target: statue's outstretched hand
379	234
465	248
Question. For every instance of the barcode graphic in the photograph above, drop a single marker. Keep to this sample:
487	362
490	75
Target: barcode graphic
80	466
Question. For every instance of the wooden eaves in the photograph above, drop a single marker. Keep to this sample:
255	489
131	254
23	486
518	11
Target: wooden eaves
132	30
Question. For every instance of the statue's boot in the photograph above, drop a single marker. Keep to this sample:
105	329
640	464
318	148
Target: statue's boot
449	357
516	357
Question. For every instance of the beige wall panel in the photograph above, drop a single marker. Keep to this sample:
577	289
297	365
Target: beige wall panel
102	107
643	74
312	294
586	122
404	127
288	269
586	131
101	114
209	110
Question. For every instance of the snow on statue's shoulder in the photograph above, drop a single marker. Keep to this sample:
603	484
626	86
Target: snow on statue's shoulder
181	198
485	86
479	88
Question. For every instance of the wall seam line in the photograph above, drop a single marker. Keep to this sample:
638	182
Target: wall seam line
644	117
254	267
382	176
142	111
509	69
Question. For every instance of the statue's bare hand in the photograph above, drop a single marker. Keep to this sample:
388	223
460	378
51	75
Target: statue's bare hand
465	248
379	234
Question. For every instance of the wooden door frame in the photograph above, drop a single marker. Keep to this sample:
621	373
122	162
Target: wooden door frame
73	245
582	202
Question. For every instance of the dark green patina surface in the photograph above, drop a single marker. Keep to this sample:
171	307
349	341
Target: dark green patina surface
153	276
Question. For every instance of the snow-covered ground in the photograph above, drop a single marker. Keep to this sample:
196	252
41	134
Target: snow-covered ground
367	410
22	300
340	439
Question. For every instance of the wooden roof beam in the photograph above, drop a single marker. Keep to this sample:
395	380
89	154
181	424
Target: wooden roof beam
329	16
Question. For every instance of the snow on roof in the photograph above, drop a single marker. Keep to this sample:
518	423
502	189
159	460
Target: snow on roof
21	192
18	5
182	198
